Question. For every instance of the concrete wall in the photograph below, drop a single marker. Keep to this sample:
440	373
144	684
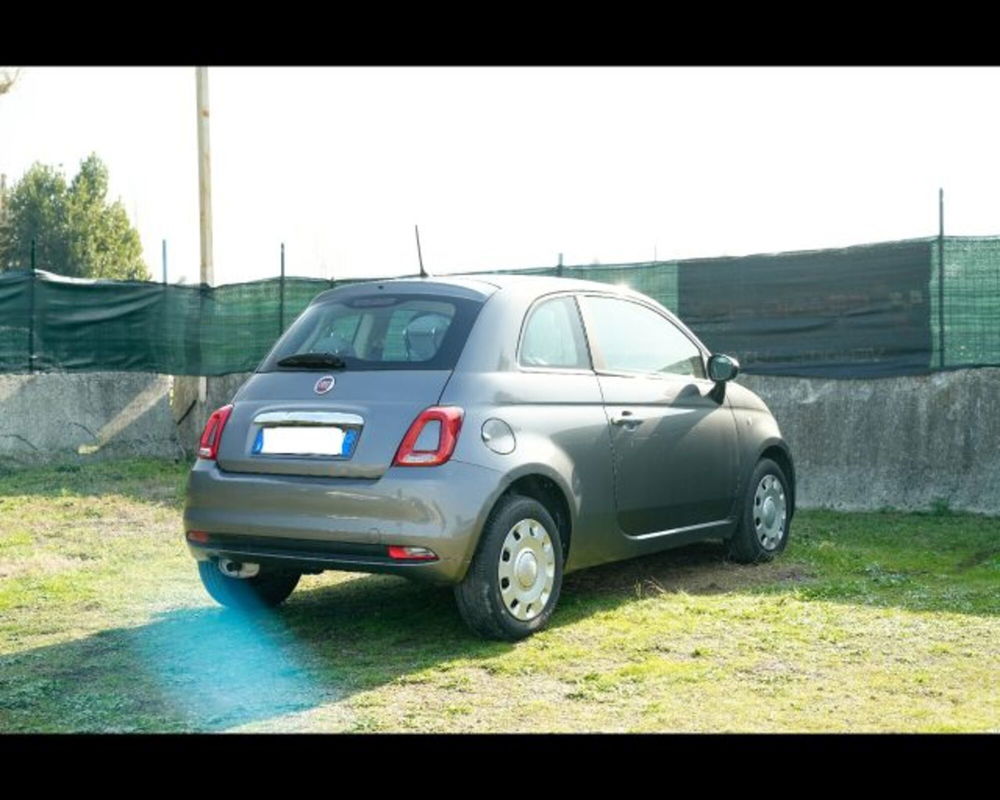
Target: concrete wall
80	416
899	442
858	444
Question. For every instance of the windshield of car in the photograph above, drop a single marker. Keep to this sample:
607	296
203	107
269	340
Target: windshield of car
376	331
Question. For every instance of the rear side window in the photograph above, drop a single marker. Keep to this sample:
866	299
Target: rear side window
553	336
629	337
380	331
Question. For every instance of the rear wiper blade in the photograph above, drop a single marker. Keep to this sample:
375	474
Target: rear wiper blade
313	360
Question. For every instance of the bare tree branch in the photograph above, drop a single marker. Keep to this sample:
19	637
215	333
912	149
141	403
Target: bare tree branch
8	77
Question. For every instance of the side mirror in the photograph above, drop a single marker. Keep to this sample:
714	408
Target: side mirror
722	367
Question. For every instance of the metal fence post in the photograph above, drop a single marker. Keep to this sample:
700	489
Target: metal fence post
281	306
940	244
31	312
160	357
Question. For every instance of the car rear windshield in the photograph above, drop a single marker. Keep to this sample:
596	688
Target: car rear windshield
377	331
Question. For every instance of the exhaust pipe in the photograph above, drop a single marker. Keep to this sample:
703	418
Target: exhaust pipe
236	569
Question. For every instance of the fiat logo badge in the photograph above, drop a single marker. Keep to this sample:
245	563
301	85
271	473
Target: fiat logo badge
324	384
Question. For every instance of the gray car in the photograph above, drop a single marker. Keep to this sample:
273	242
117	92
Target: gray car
491	433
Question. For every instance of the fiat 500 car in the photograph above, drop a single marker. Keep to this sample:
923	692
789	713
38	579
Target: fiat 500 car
491	433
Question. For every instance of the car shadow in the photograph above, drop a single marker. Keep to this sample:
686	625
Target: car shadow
213	669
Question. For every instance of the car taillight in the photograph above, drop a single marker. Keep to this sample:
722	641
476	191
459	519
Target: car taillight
208	447
450	419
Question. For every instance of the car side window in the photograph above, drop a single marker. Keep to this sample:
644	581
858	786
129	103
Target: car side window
629	337
553	336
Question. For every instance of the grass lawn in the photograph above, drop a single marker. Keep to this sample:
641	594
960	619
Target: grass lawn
868	622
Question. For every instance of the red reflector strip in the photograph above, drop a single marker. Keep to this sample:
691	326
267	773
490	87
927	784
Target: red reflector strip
411	553
198	536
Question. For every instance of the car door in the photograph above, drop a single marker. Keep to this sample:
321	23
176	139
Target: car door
673	435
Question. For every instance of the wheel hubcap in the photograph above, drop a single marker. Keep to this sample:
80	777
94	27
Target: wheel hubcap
769	512
527	569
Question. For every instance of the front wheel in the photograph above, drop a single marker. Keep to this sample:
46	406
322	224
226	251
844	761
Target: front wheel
513	582
264	590
763	527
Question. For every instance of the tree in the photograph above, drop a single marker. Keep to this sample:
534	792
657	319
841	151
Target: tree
35	210
75	230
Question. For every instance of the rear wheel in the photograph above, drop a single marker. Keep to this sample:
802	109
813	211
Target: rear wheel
763	528
513	582
264	590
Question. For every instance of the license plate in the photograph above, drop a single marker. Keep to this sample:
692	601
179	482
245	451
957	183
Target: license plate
326	440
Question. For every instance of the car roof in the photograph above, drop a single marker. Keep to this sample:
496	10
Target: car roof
477	286
542	284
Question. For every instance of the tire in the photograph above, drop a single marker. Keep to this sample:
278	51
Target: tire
264	590
764	521
521	539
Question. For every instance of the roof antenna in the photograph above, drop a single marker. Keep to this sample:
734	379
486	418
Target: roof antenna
420	256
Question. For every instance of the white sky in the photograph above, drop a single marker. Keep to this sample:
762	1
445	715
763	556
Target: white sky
507	167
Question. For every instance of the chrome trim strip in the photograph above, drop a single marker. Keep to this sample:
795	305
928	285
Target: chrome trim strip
654	534
308	418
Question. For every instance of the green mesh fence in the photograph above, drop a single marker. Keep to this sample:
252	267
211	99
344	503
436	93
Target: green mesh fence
858	311
850	312
79	324
971	307
15	317
658	279
144	327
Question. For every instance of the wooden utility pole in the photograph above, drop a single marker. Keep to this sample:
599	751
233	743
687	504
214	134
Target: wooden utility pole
204	195
204	178
189	394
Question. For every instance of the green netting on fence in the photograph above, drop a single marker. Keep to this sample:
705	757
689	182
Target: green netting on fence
80	325
230	328
971	306
849	312
658	279
856	311
15	316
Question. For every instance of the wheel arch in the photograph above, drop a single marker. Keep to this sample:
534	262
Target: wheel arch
542	483
547	492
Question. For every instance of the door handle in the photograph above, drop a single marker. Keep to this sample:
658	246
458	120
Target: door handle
625	419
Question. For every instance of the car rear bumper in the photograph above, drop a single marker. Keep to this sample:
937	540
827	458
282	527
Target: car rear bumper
313	523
